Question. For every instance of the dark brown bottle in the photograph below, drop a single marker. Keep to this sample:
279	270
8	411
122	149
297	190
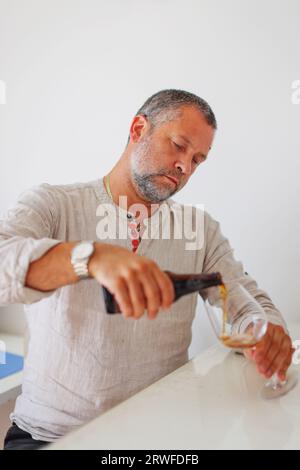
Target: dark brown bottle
183	284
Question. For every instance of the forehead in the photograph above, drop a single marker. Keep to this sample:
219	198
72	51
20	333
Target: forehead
192	125
190	119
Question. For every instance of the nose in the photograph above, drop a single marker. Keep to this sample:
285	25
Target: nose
184	167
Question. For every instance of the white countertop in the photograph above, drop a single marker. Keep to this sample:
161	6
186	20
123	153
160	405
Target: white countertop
212	402
10	387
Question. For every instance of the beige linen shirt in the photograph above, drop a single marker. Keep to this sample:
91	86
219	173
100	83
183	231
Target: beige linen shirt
81	361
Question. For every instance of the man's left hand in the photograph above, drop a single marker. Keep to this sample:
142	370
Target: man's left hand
273	353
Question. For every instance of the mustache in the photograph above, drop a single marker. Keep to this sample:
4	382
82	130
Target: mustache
177	175
173	176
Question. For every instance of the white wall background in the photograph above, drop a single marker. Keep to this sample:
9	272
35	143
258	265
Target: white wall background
76	71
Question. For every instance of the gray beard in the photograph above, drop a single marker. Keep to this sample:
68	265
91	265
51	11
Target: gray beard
145	184
149	190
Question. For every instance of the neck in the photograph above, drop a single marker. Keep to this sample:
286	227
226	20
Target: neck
121	185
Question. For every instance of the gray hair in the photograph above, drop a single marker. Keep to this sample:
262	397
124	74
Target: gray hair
165	105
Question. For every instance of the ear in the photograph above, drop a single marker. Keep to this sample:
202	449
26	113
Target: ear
139	127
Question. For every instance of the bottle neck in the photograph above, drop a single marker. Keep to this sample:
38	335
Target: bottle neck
187	284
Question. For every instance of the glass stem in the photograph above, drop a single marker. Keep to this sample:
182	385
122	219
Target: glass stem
275	382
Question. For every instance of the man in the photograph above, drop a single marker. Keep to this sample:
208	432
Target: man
82	361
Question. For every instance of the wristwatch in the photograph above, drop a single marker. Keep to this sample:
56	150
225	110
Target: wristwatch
80	256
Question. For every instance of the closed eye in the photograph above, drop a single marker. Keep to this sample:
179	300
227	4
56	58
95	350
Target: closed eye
196	161
179	147
202	159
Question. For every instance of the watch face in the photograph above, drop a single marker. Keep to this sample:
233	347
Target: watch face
83	250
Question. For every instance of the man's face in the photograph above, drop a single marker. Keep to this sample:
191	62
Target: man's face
163	160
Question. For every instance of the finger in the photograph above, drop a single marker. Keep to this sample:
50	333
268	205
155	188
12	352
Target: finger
286	361
121	294
274	350
137	297
167	292
248	354
152	293
283	352
262	348
283	370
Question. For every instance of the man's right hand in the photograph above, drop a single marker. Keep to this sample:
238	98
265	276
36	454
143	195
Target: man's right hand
137	282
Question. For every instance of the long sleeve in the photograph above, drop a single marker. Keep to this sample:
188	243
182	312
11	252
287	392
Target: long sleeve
219	257
25	236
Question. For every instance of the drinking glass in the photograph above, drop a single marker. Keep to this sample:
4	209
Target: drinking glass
240	322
